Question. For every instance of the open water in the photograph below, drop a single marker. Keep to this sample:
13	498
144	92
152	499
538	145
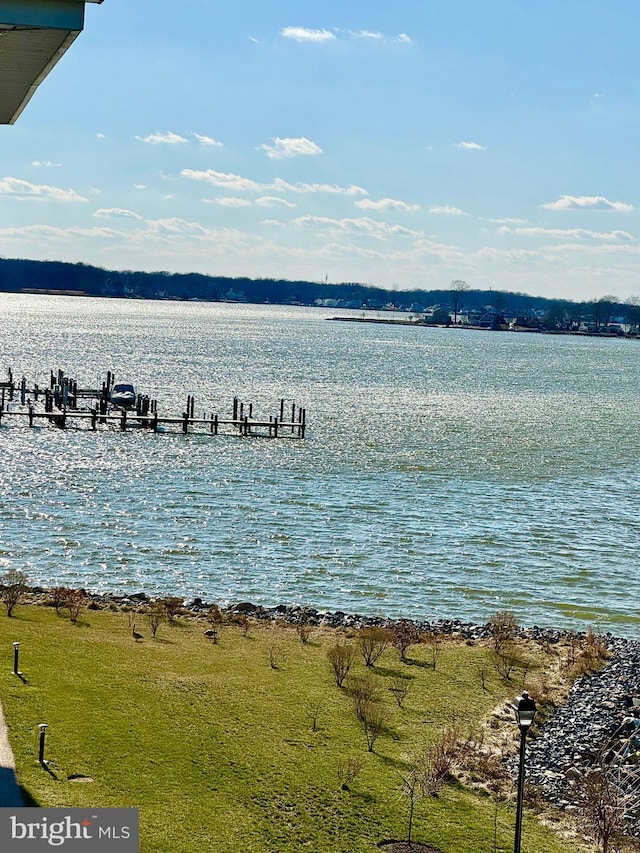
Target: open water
445	473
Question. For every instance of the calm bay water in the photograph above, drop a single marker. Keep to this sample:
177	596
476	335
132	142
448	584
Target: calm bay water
446	473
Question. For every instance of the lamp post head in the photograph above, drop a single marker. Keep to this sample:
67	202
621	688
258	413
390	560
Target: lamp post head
525	710
42	727
16	645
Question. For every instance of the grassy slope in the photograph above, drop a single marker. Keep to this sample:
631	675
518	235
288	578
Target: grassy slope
216	748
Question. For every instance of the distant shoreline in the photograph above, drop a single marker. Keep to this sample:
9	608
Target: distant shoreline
460	327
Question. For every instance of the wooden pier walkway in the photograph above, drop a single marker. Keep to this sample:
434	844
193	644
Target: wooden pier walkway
59	406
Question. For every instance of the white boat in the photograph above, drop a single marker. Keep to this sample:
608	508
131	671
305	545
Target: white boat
123	394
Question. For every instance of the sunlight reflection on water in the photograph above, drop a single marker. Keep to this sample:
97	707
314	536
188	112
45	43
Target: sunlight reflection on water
445	473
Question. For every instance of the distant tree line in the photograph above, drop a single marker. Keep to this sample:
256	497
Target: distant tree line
453	303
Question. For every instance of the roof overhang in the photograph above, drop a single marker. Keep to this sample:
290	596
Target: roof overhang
34	34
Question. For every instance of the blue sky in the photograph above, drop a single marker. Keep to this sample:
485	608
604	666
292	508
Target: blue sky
398	144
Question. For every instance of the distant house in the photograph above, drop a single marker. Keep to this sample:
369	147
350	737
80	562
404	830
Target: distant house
495	322
528	324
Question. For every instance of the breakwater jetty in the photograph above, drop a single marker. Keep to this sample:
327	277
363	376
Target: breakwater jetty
64	404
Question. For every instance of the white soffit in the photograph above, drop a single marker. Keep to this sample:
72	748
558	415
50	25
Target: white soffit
34	34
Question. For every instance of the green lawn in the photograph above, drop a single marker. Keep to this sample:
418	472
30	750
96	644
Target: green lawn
216	747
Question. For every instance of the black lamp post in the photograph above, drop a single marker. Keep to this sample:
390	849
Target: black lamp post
43	730
525	709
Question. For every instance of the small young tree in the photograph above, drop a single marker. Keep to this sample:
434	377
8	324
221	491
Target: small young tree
503	629
313	712
426	772
506	659
57	597
303	629
348	770
603	806
214	615
372	641
74	600
432	639
374	721
277	652
173	607
13	585
341	658
399	687
242	620
155	615
413	790
364	690
405	634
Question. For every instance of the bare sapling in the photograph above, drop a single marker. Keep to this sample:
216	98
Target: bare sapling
372	641
13	585
399	687
155	616
405	634
341	657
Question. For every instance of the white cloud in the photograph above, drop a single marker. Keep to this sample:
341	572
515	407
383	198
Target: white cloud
386	204
448	210
115	213
333	189
236	182
228	201
302	34
505	221
209	141
364	225
273	201
366	34
222	179
45	163
175	226
290	147
563	233
469	146
44	232
490	252
139	186
587	202
372	36
100	136
168	138
40	192
593	249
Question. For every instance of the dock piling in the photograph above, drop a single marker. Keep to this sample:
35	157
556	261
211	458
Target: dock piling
63	402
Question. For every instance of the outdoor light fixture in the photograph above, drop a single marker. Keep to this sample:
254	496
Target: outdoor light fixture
525	710
16	652
43	729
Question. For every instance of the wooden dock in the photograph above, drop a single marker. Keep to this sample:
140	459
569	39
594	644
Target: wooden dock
62	405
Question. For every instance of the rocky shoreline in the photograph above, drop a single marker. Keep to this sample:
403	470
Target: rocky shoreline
294	614
597	726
